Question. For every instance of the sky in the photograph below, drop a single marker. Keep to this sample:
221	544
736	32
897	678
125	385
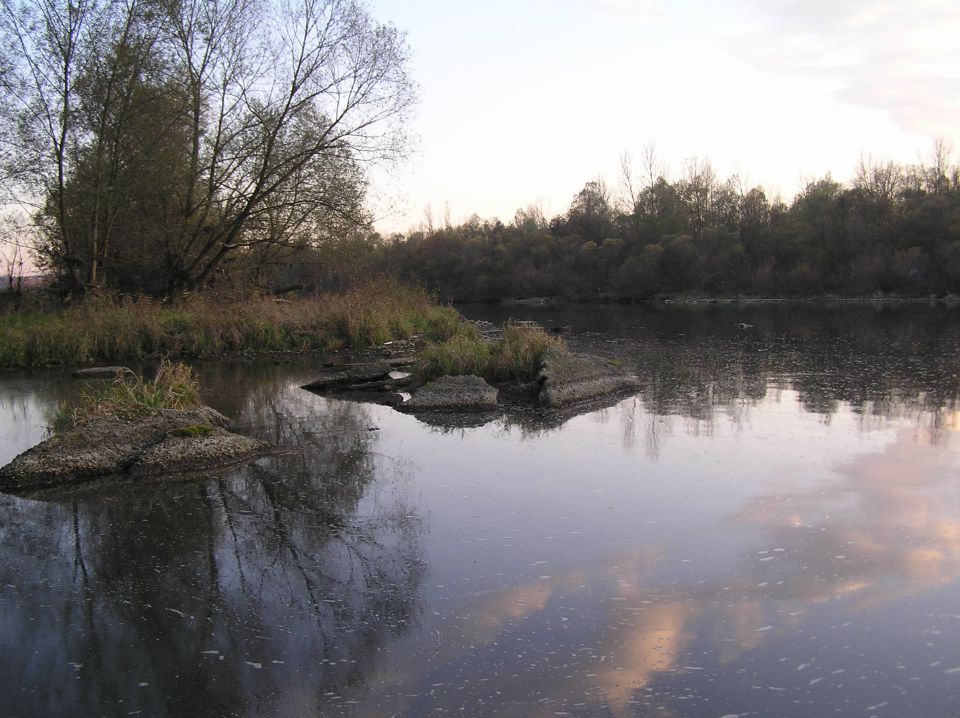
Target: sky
523	102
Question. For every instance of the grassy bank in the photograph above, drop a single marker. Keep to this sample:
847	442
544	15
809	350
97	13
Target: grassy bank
515	356
124	329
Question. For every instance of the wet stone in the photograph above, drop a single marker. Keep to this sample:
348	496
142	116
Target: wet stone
350	374
454	393
184	454
573	378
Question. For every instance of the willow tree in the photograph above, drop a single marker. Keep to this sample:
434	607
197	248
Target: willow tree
160	138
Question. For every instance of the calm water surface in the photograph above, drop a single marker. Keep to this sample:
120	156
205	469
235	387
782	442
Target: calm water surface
771	527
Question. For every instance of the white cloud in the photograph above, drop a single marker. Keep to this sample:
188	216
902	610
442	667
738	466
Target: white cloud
622	7
899	58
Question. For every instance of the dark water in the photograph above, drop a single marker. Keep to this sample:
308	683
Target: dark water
770	528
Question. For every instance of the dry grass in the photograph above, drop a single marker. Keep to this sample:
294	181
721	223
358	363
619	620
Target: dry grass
175	386
111	329
515	356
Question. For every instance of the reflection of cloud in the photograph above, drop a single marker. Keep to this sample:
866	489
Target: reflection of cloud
898	57
653	645
886	527
509	606
882	529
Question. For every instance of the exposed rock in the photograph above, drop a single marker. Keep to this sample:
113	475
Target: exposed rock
564	380
168	441
572	378
377	382
348	374
454	393
111	373
185	454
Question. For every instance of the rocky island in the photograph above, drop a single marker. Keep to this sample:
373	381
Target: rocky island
132	429
473	370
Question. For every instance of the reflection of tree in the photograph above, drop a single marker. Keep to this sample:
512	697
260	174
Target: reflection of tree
705	361
696	362
273	586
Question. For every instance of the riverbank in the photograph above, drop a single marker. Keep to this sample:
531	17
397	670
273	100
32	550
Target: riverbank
206	325
711	299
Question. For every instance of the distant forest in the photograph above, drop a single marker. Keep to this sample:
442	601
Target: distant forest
894	231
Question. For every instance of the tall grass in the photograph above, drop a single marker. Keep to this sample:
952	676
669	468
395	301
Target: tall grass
465	352
515	356
175	386
110	329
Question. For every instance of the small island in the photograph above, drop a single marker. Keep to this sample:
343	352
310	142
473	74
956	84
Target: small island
134	429
470	370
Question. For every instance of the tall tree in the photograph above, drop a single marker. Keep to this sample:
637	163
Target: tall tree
175	134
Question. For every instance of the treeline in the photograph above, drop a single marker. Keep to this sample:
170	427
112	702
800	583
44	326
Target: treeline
895	230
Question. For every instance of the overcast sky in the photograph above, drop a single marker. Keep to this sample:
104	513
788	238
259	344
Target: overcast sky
525	101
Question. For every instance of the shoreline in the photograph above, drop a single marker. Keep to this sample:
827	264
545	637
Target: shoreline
818	299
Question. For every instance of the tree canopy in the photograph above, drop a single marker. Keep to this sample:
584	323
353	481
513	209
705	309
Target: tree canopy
160	139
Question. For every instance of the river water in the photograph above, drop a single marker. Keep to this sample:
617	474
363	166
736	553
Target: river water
771	527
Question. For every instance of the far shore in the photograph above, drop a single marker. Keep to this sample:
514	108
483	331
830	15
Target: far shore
680	299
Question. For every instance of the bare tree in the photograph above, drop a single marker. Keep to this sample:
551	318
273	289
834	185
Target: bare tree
653	168
884	180
630	191
699	187
238	123
43	41
937	173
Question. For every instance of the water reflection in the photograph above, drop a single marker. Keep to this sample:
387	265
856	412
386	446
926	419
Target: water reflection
277	585
797	619
882	361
